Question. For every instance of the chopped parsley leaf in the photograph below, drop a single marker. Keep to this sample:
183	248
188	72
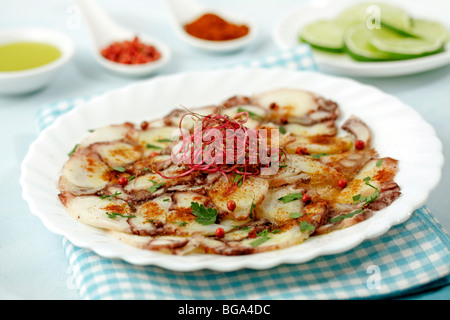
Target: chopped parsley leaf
318	155
291	197
204	215
152	146
251	114
120	169
263	237
345	216
155	186
379	163
295	215
112	215
110	196
73	150
252	208
306	226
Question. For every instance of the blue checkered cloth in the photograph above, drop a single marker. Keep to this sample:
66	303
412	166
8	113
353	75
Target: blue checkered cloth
411	257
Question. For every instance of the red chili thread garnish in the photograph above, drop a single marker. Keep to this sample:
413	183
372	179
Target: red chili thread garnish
193	151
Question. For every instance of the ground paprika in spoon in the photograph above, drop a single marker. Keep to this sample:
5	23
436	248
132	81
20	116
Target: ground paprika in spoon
212	27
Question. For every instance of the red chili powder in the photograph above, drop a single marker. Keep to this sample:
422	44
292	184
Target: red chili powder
212	27
131	52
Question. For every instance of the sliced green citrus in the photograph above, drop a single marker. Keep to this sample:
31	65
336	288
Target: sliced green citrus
409	47
325	35
358	46
431	30
374	15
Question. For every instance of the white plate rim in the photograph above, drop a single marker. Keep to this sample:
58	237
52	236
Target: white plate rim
34	178
345	65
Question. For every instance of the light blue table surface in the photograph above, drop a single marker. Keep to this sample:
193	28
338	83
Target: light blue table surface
32	262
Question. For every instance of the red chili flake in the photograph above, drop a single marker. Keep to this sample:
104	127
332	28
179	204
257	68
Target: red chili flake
231	205
274	106
252	234
342	183
359	144
301	151
123	181
153	153
144	125
220	233
284	120
131	52
306	198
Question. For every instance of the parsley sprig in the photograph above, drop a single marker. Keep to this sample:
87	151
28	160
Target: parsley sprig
204	215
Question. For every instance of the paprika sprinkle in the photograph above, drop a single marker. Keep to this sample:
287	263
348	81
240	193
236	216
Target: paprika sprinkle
212	27
131	52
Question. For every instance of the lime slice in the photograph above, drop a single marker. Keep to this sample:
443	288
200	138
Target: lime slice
408	47
374	15
431	30
324	35
358	46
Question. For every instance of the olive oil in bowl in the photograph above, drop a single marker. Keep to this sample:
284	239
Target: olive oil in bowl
20	56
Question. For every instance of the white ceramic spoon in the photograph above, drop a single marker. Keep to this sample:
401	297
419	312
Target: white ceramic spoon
104	31
185	11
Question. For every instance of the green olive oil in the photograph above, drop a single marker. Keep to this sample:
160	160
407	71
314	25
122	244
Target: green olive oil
26	55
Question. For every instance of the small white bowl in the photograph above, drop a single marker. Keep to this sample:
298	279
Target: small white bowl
186	11
134	70
25	81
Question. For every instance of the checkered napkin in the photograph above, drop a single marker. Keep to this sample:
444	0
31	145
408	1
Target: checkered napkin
409	258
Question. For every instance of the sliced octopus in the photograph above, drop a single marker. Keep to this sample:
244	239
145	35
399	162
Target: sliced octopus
121	179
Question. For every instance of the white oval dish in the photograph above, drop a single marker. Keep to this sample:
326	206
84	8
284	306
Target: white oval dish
185	11
286	33
398	132
25	81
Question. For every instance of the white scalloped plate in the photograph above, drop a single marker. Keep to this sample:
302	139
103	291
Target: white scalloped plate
399	132
286	32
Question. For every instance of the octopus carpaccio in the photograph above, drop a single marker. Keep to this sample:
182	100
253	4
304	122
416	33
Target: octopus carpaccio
120	179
